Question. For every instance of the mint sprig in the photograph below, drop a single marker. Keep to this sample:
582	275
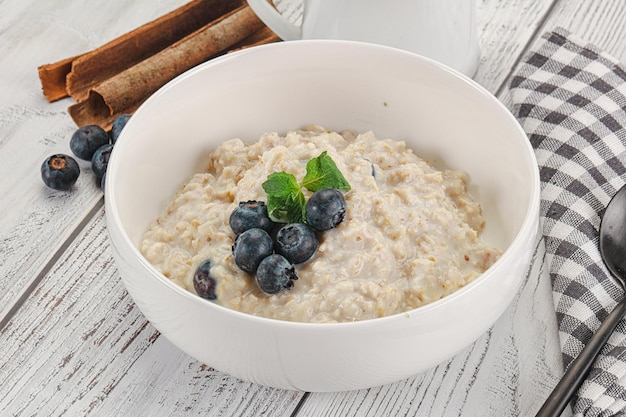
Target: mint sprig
285	200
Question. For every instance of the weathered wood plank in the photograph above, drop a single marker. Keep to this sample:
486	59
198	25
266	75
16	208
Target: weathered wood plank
36	221
504	29
80	346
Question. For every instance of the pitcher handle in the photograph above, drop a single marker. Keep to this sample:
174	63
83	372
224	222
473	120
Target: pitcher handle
274	20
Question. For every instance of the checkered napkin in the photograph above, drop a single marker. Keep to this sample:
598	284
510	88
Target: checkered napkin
570	98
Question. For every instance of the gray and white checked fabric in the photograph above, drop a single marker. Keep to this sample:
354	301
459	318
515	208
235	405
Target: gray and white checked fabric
570	98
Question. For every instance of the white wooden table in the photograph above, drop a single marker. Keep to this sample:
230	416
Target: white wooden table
73	343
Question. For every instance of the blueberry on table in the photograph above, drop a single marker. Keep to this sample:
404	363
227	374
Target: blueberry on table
275	274
251	247
248	215
60	172
296	241
204	282
86	140
325	209
118	124
100	159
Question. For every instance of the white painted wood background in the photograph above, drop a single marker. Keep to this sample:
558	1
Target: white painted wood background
73	343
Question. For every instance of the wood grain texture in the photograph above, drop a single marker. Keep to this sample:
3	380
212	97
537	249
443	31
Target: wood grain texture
79	346
34	220
504	30
75	344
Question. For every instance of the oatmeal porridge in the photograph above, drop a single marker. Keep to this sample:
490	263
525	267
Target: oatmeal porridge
411	233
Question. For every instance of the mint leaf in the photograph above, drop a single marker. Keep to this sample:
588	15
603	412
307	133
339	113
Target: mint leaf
321	172
293	209
285	201
280	184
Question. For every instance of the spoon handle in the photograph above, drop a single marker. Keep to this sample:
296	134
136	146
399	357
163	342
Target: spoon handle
578	369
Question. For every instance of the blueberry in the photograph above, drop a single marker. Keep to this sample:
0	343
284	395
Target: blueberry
296	241
60	172
325	209
118	124
100	159
275	274
248	215
86	140
204	282
251	247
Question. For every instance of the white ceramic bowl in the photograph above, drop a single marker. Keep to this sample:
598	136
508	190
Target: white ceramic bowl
443	116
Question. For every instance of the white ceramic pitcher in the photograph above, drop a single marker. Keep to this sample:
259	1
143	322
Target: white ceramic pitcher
444	30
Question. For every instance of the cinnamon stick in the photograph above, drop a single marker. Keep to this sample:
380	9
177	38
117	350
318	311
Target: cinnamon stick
75	76
122	53
123	92
53	77
260	37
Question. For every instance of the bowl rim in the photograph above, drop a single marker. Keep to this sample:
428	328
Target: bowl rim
528	226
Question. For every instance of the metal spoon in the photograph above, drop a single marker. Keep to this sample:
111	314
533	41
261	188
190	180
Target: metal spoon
613	252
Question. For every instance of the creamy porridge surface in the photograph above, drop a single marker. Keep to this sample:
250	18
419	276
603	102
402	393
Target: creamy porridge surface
411	233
